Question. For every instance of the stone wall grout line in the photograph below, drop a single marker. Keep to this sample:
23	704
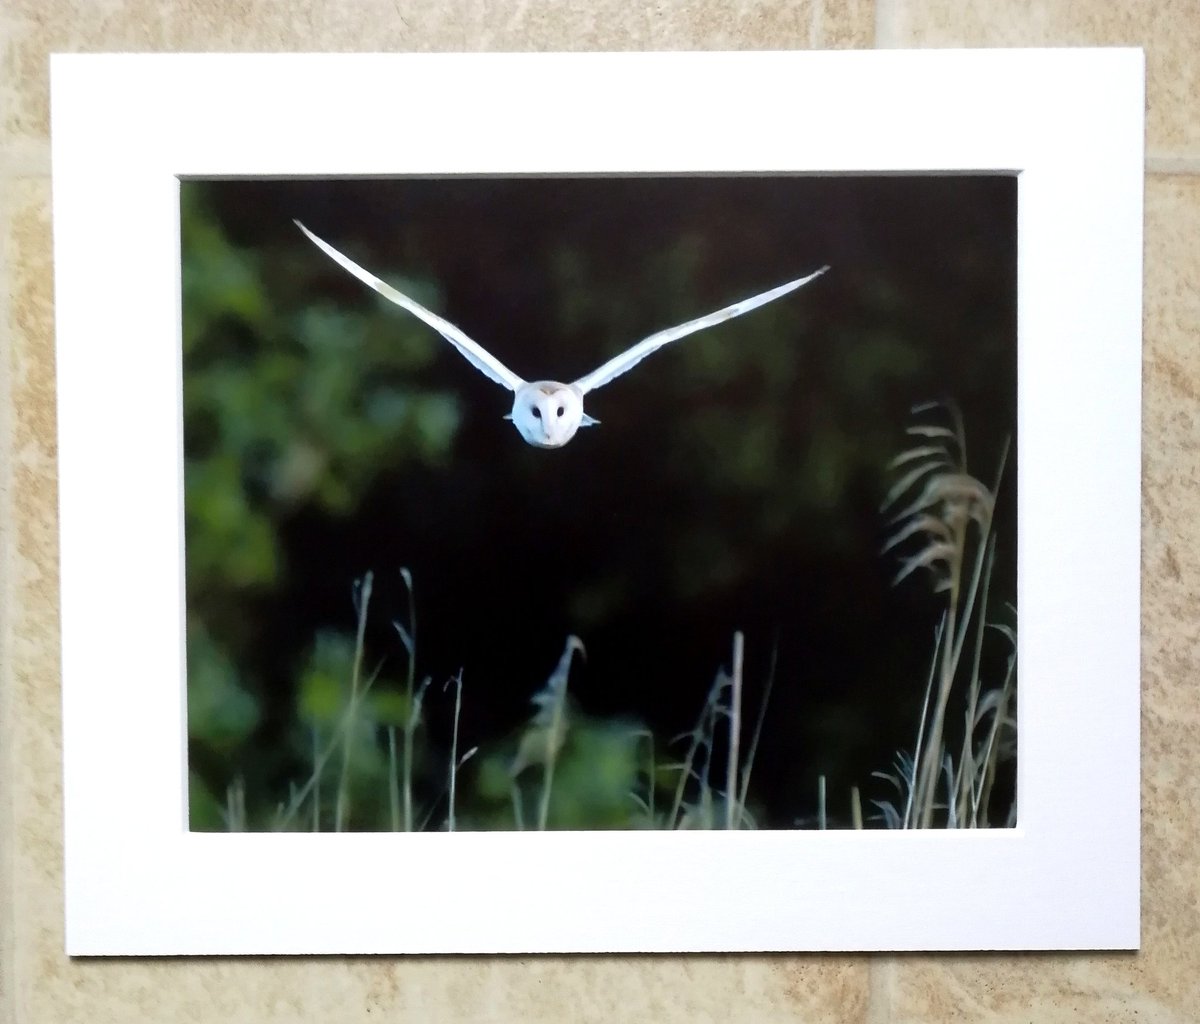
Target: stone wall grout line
25	160
887	25
1164	163
881	970
8	881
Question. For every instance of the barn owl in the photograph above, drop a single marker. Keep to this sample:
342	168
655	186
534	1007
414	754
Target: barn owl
547	413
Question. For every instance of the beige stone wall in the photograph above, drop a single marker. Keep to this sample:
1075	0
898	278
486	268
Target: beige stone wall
38	985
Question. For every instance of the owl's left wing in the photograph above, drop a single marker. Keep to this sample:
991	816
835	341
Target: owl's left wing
628	359
472	351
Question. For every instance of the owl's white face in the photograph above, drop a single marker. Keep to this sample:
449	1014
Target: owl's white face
547	413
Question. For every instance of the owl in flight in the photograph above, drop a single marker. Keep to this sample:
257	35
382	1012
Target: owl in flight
545	412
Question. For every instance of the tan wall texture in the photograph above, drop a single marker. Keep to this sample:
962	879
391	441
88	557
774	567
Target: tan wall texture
38	985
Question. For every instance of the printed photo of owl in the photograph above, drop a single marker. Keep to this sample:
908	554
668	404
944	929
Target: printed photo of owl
766	579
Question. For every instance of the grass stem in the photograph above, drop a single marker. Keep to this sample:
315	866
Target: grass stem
762	715
316	802
410	724
342	806
732	811
454	748
393	780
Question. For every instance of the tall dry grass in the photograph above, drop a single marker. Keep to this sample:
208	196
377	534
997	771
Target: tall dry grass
944	527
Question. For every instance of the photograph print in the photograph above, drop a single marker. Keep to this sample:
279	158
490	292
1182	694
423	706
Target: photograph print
600	502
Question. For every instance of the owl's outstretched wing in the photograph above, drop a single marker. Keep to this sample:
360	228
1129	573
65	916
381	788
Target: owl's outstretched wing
472	351
628	359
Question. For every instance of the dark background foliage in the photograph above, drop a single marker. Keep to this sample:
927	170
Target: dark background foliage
734	482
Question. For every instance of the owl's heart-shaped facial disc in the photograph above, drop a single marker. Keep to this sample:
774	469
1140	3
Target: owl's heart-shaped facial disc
547	413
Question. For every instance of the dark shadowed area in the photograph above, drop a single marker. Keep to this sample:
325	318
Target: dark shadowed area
734	483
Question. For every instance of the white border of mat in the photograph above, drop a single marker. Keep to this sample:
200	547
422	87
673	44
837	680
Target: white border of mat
1069	123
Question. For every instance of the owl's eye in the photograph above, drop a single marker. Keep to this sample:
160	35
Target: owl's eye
537	413
560	410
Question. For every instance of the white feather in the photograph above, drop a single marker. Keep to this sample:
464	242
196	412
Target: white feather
475	354
628	359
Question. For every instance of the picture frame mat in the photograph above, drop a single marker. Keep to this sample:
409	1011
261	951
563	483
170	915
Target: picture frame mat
127	128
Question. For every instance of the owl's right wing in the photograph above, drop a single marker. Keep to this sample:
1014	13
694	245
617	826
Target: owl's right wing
628	359
472	351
